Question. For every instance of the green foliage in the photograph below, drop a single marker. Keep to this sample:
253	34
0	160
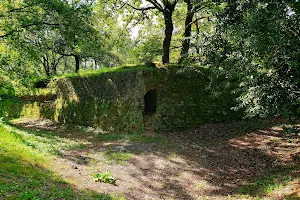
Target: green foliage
6	87
16	71
10	107
147	49
104	177
257	42
41	38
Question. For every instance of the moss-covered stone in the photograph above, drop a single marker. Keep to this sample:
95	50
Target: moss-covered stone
114	101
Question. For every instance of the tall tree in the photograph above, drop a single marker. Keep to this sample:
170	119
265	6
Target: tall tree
193	6
41	26
166	7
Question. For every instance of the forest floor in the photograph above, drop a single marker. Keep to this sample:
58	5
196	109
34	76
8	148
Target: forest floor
256	159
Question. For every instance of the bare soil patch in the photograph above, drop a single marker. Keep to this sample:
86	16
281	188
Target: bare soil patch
212	161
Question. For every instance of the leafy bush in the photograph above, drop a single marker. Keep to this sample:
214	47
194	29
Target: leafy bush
104	177
6	87
258	43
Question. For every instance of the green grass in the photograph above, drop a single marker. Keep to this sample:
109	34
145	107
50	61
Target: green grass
118	157
261	187
102	70
24	174
45	142
141	138
274	181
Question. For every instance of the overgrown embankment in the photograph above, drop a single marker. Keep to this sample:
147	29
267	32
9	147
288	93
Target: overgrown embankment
131	99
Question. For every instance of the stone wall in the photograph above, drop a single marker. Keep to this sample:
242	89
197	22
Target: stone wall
115	101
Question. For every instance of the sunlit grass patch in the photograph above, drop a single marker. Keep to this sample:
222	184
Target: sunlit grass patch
24	173
142	138
275	182
118	157
200	186
46	142
102	70
14	145
21	171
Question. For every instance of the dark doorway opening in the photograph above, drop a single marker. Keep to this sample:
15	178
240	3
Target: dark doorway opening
150	102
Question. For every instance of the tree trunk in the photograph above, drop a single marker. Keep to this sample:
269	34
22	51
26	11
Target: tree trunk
54	66
197	37
54	69
168	36
46	66
95	67
77	63
187	32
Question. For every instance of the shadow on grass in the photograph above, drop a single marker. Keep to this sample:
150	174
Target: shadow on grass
242	157
47	142
276	179
251	152
23	181
23	176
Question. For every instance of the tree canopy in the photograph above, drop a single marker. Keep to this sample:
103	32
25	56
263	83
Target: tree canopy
256	42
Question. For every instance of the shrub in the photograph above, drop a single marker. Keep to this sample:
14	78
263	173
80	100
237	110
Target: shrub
104	177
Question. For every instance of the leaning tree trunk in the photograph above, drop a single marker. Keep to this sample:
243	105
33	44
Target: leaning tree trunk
77	63
197	37
168	36
187	33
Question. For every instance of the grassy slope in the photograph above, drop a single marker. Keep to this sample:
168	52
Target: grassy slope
23	173
102	70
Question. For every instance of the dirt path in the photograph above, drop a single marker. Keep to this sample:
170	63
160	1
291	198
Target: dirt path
210	162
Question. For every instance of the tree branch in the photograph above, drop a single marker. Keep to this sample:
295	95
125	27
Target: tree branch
197	8
175	2
64	54
196	20
140	9
20	9
156	5
26	26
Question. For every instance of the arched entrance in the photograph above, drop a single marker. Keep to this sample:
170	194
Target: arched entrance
150	102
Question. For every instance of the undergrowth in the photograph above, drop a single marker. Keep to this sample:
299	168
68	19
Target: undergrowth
104	177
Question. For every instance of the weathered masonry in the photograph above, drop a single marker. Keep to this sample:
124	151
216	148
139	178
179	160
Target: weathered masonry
132	101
